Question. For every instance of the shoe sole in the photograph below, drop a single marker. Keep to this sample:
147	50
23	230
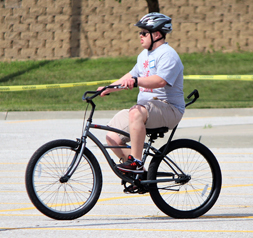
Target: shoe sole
131	171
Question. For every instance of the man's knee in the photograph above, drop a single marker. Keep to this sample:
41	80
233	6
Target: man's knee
138	112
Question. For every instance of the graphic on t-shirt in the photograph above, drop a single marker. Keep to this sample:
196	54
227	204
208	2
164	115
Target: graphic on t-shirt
146	69
150	90
145	64
146	72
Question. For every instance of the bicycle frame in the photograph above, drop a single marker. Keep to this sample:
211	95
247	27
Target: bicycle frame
103	148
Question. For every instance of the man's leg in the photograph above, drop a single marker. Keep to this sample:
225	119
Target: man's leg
113	139
137	118
120	121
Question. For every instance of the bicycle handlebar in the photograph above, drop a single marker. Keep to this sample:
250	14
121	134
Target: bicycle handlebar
96	93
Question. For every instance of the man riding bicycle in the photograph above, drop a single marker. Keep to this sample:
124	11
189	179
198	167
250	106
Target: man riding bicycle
159	75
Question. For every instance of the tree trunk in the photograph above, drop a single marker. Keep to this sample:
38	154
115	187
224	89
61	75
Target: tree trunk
153	6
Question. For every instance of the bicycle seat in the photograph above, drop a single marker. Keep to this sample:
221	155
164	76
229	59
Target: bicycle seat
156	132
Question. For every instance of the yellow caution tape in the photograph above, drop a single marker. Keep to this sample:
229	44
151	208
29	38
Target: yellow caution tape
105	82
219	77
50	86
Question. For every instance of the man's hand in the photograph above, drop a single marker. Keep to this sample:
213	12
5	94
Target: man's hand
107	91
128	83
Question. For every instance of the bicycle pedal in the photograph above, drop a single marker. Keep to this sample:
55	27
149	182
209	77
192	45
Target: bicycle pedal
142	191
129	192
131	189
135	189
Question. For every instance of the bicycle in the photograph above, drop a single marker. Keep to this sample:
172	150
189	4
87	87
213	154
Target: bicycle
64	179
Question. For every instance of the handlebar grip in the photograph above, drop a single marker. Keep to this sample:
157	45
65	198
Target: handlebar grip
89	92
96	93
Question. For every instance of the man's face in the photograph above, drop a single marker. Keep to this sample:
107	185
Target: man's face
145	38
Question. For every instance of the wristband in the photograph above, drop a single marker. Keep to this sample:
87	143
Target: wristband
136	81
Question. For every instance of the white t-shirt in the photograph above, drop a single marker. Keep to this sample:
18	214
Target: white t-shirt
164	62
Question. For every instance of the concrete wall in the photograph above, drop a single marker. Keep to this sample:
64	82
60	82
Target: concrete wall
53	29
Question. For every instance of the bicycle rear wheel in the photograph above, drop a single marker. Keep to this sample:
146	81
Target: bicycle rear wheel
194	195
63	200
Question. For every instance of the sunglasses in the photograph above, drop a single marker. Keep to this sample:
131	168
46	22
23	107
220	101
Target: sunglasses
143	33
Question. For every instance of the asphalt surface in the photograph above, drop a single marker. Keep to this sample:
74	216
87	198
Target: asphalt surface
227	132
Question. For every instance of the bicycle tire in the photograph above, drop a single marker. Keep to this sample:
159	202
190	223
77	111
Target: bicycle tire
189	199
63	201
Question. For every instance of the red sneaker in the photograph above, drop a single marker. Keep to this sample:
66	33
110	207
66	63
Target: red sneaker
131	165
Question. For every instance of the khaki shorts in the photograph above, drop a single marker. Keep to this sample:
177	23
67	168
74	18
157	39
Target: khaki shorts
160	114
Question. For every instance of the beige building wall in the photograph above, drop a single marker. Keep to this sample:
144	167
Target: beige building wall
54	29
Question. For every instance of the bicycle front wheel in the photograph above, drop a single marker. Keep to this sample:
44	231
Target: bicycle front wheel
195	179
57	199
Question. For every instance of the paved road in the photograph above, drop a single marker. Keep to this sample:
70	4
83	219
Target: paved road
228	132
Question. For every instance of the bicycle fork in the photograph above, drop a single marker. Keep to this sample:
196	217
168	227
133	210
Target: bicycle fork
78	156
74	164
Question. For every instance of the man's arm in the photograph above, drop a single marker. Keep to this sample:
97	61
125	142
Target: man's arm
153	81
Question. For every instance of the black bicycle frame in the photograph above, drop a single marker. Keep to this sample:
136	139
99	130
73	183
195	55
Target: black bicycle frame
88	134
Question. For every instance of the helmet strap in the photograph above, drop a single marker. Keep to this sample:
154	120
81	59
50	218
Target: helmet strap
152	40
